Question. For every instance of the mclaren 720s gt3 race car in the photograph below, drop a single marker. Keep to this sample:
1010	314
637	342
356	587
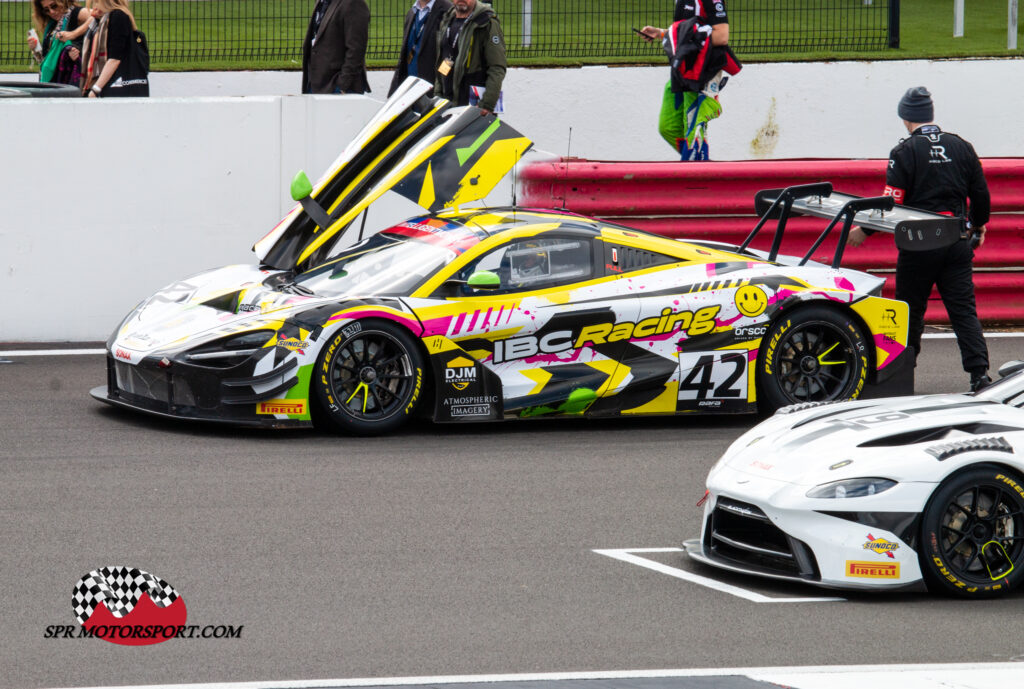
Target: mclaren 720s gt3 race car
497	313
877	494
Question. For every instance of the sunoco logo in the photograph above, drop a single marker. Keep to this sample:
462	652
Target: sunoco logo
881	546
460	372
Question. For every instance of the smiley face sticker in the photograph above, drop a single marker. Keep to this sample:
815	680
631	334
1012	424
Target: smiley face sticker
751	300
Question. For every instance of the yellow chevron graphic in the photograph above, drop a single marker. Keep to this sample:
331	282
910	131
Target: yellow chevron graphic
664	403
539	376
427	195
489	169
616	374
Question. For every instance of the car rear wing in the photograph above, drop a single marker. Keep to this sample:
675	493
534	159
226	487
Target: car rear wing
914	229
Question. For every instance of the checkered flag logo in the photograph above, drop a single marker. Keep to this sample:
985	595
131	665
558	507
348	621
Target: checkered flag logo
120	589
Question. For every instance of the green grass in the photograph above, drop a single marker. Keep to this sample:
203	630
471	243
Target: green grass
268	34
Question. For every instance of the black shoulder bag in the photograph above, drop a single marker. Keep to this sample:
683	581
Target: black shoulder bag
132	76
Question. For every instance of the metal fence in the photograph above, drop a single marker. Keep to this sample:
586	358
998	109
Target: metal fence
244	34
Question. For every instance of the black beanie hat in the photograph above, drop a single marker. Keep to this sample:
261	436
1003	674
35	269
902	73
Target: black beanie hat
916	105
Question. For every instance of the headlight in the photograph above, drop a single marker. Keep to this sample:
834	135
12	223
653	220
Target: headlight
232	350
851	488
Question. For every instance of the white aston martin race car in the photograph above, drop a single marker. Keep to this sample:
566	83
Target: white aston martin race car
877	494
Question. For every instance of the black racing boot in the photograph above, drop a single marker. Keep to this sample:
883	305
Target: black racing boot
980	381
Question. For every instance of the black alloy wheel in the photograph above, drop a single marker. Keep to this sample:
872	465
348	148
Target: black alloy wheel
815	354
368	378
972	534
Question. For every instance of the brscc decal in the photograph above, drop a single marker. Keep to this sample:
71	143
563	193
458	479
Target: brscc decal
689	322
460	372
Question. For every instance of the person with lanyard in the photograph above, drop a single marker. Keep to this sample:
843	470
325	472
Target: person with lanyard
63	23
418	55
334	50
684	116
471	56
938	171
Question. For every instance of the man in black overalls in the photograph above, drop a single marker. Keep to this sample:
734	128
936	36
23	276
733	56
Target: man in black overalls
938	171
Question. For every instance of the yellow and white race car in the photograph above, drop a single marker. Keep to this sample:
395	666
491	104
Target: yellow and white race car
492	313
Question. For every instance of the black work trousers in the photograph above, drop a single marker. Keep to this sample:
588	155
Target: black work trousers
952	270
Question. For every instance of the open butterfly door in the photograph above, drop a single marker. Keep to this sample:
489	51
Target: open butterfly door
421	147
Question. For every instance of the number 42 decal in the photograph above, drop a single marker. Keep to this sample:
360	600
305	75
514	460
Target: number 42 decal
712	375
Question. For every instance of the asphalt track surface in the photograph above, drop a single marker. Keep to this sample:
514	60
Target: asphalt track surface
442	550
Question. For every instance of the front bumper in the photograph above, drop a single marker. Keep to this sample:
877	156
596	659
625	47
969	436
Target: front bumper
769	529
200	393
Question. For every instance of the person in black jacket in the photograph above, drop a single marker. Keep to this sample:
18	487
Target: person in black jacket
418	54
334	51
938	171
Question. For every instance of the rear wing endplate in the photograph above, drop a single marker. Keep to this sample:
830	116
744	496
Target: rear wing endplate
914	229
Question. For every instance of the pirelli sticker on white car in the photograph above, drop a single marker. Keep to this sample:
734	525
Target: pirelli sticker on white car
290	407
872	570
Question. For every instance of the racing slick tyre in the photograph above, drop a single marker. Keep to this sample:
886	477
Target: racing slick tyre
815	354
368	378
972	534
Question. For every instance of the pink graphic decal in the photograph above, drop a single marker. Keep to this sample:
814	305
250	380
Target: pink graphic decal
784	294
719	322
843	283
558	358
369	312
458	324
890	347
437	326
472	321
656	338
487	319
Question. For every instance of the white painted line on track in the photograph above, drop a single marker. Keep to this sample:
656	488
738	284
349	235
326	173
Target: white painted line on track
964	676
952	336
51	352
628	555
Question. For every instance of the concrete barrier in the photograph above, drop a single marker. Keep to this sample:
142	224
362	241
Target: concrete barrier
104	203
101	203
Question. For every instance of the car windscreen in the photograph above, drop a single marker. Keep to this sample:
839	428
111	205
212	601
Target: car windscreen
384	264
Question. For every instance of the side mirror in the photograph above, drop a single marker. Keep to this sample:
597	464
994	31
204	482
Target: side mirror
1010	367
302	191
301	186
484	279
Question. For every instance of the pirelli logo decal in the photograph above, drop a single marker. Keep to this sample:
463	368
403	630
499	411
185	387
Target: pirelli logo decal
290	407
873	570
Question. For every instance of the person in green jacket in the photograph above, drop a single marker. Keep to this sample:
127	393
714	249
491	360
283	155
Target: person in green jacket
471	60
